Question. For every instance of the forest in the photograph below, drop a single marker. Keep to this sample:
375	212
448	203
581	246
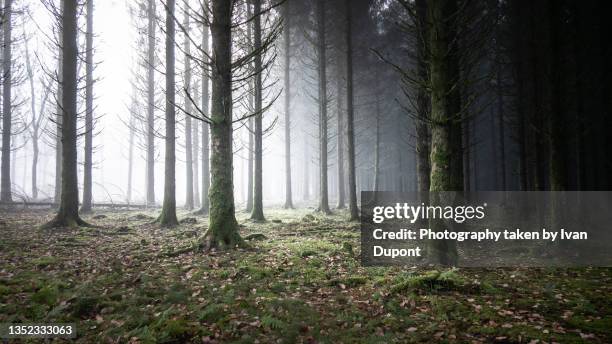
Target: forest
191	171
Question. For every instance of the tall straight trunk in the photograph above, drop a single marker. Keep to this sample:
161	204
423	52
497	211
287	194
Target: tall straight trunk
167	218
251	121
340	118
306	177
188	107
443	111
130	158
251	160
350	120
5	169
422	130
88	163
150	160
376	186
223	227
68	213
500	113
36	120
35	153
205	206
287	71
556	119
322	98
196	153
58	126
257	213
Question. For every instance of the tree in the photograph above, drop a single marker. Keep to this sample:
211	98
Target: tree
167	218
87	166
322	100
58	122
37	122
421	121
287	89
257	213
188	129
7	65
150	131
205	204
444	111
223	227
68	213
350	117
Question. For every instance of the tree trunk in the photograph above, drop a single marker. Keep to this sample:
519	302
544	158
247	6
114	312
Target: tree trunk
340	118
322	99
188	107
204	209
376	186
257	213
223	227
556	119
443	51
150	169
306	177
196	153
422	130
130	157
88	163
287	71
5	184
59	116
68	213
350	121
167	218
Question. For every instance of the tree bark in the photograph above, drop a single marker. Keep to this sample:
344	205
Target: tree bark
350	121
188	107
341	129
443	111
150	160
422	129
167	218
59	116
7	65
223	227
196	153
322	99
88	163
287	71
205	204
257	213
68	213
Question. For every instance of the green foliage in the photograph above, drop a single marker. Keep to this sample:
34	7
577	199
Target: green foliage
47	295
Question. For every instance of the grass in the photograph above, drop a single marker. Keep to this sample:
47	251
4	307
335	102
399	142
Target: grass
299	281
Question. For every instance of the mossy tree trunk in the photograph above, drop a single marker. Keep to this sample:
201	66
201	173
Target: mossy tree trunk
444	111
223	227
257	213
167	218
68	213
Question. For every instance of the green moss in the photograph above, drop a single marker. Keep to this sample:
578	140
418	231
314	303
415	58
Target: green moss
44	261
47	295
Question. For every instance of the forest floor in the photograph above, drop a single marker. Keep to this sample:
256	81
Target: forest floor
299	282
